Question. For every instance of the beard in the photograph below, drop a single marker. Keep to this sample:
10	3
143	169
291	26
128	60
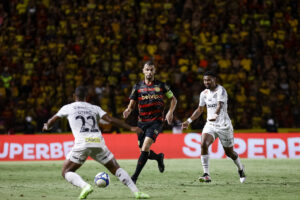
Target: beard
149	77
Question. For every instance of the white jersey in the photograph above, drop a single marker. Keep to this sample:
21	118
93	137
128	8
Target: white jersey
210	99
83	118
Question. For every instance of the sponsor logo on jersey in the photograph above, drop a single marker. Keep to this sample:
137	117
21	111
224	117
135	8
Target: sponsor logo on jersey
92	140
149	96
211	105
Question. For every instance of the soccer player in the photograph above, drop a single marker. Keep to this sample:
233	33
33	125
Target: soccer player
83	118
218	124
148	94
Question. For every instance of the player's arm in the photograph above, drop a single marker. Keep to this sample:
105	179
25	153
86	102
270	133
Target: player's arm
129	108
169	116
47	126
218	110
194	116
120	123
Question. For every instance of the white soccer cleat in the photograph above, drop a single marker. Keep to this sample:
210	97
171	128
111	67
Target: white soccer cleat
205	178
242	175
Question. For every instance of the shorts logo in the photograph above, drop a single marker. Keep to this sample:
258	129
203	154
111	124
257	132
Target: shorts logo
156	132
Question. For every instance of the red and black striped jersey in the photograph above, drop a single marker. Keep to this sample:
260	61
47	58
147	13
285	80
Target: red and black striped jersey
150	99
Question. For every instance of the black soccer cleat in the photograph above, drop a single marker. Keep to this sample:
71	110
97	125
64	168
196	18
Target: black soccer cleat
205	178
242	175
160	161
134	179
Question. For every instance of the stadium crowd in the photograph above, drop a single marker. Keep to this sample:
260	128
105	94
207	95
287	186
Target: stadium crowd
47	48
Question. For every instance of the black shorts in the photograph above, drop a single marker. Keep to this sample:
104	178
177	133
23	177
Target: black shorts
151	129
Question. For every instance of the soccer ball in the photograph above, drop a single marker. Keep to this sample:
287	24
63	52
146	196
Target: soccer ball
102	179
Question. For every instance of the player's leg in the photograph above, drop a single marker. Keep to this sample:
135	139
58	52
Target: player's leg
156	129
74	162
236	159
143	157
227	140
206	141
123	176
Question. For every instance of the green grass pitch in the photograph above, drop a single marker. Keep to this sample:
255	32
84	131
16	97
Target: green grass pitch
266	180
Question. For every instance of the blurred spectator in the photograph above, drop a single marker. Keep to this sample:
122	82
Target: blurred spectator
271	125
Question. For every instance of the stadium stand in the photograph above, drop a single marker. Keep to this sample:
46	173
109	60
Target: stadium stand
47	48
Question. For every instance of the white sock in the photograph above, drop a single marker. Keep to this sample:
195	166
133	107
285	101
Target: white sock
75	179
238	163
205	163
126	180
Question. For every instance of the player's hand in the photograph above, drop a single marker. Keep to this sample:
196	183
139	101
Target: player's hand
185	125
169	118
213	118
136	129
126	112
45	127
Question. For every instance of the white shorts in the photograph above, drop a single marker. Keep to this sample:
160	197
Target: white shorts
225	134
101	155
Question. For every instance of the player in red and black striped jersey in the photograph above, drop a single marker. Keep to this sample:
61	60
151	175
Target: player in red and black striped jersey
149	95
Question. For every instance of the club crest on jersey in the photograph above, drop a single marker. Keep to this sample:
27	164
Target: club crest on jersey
157	89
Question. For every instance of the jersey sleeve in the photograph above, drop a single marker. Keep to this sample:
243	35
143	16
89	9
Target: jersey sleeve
167	91
101	112
63	112
202	99
134	93
222	95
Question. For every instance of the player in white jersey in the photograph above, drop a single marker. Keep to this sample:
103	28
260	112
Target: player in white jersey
83	118
218	124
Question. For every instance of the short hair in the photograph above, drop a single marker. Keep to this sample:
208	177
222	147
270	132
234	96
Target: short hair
149	62
210	73
81	92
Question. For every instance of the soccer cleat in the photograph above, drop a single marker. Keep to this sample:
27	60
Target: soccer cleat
160	161
242	175
88	189
141	195
205	178
134	179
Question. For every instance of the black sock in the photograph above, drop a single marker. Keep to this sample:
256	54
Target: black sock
153	155
141	163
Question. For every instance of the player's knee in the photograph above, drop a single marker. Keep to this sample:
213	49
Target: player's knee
63	173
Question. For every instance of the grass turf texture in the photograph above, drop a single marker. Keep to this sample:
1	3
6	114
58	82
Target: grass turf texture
266	180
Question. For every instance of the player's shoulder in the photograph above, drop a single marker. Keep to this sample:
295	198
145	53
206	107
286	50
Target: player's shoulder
158	82
221	89
139	84
161	84
204	92
66	106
